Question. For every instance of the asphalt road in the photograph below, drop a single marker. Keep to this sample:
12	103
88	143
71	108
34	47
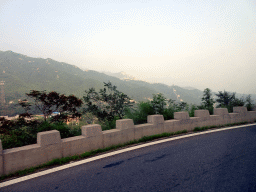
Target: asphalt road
220	161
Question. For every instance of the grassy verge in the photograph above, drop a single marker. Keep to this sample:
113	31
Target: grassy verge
196	129
65	160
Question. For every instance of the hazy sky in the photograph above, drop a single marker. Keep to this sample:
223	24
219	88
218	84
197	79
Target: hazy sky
199	43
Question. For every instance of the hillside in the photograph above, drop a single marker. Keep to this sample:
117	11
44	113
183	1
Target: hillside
22	74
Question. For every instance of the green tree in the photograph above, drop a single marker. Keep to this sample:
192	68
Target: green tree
67	106
226	99
207	100
108	104
139	112
159	102
182	106
192	109
169	111
237	102
249	103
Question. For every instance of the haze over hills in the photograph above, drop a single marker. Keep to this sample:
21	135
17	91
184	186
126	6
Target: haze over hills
121	75
162	80
22	73
124	76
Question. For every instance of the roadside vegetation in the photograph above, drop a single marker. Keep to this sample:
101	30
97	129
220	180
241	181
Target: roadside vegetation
68	113
23	131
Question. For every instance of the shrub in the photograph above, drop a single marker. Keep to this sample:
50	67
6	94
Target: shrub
140	114
106	125
20	134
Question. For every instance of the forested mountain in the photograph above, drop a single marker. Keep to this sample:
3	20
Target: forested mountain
22	74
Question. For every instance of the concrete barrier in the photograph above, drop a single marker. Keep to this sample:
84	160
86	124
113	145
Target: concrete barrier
184	121
123	133
171	126
91	139
224	117
158	124
205	119
143	130
252	115
240	110
50	146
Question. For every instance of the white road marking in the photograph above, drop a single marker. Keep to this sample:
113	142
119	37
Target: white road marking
14	181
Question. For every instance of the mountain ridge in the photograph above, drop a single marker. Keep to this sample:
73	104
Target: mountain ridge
45	74
22	73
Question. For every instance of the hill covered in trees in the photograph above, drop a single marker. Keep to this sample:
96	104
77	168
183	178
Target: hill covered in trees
22	74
